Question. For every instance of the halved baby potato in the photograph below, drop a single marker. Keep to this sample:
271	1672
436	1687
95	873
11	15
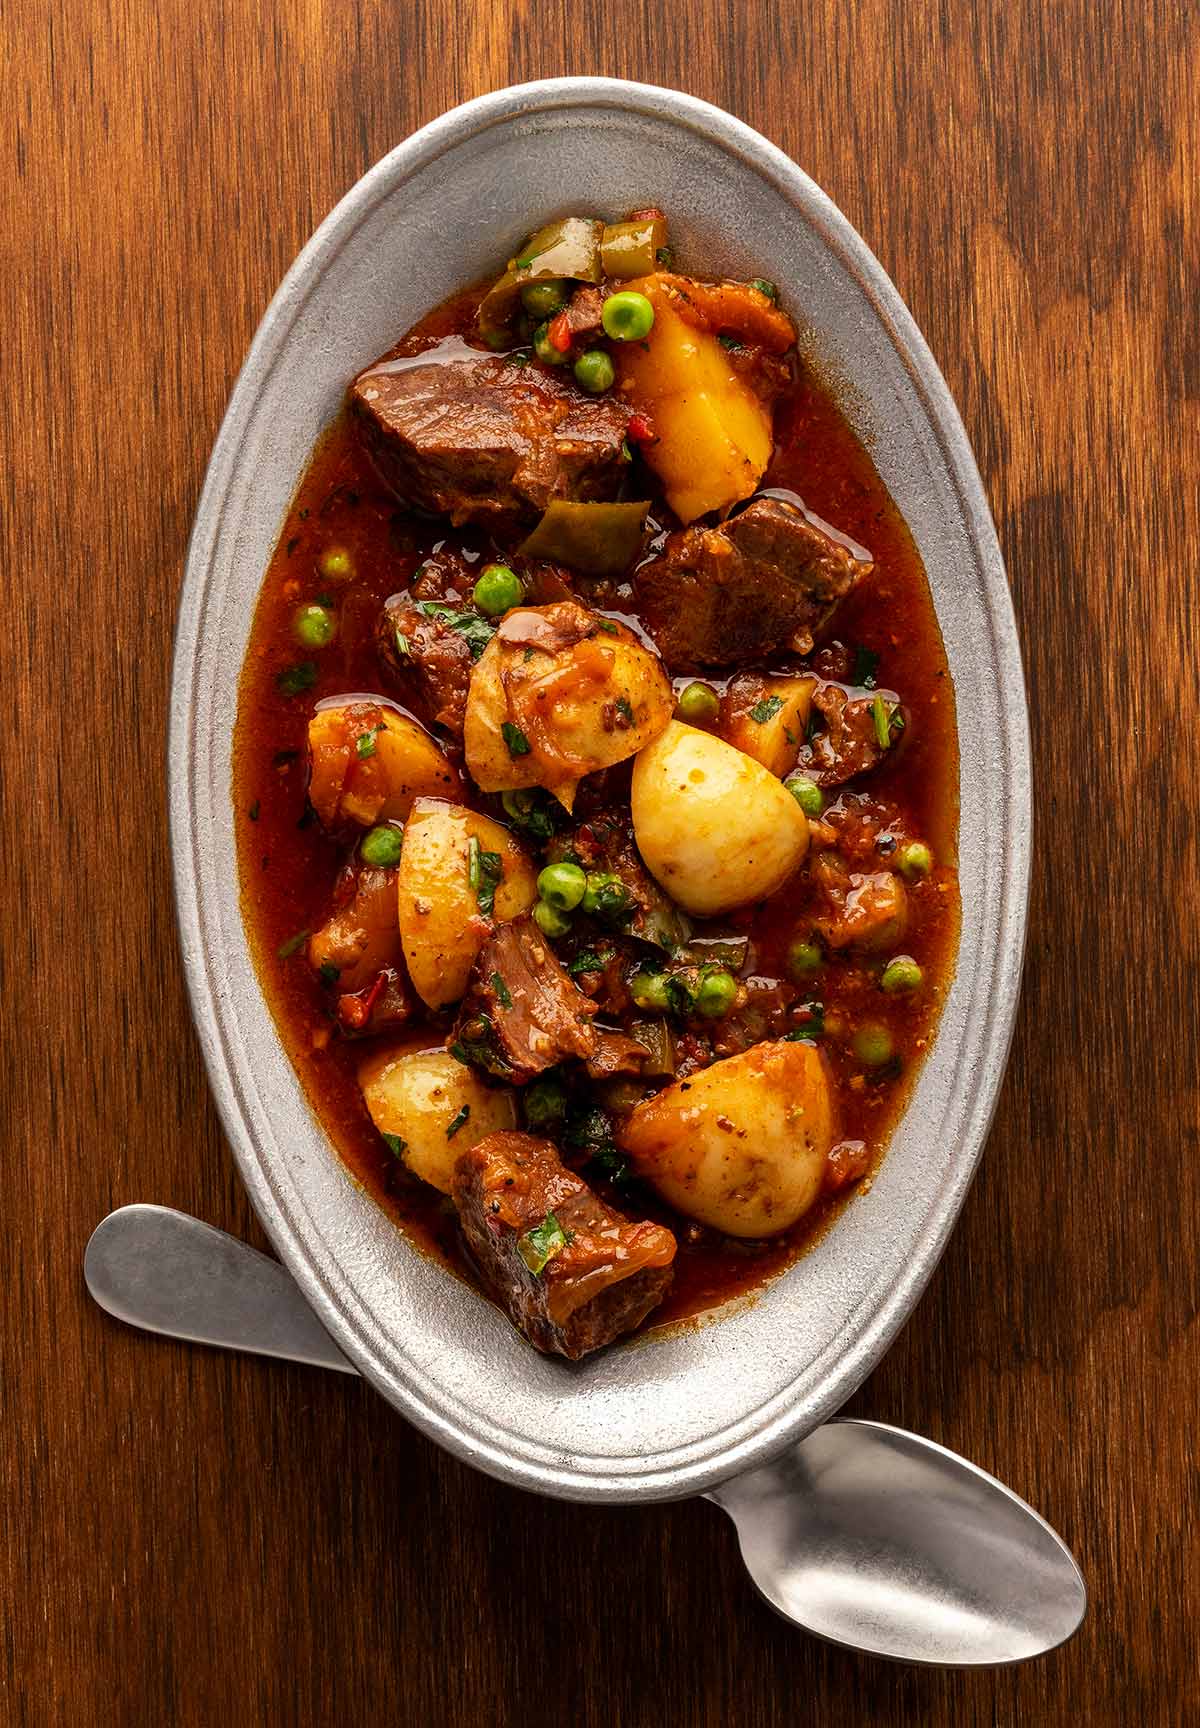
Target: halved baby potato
768	718
369	763
434	1107
559	693
713	826
740	1146
442	927
712	434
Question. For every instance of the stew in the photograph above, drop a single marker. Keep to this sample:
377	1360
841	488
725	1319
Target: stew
596	784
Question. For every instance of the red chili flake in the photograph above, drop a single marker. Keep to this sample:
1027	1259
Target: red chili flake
355	1011
639	429
559	333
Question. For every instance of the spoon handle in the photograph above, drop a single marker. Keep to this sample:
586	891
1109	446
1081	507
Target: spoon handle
168	1273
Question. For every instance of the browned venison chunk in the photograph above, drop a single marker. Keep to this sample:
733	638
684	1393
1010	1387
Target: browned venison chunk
431	660
570	1272
484	440
758	584
849	744
523	1013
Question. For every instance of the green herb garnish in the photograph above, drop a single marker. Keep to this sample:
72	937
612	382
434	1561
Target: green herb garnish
766	709
484	870
395	1145
537	1247
624	708
813	1028
254	810
293	945
589	961
518	744
471	626
888	721
328	973
365	742
294	680
453	1127
501	991
865	663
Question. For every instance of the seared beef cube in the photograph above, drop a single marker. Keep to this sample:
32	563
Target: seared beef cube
484	440
585	313
570	1272
759	583
523	1013
430	658
849	744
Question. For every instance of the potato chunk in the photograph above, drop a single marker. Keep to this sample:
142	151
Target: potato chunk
370	762
712	433
434	1107
740	1146
559	693
768	718
442	925
713	826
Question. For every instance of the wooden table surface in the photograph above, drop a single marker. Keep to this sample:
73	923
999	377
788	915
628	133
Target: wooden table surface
190	1539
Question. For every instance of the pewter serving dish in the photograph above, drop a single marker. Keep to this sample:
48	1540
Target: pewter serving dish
672	1413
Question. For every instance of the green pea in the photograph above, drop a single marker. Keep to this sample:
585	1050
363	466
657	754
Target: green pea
545	1103
765	287
627	316
336	563
381	847
901	974
873	1045
914	859
545	350
605	894
807	794
549	920
315	626
594	372
716	993
698	704
497	590
651	991
544	299
562	886
804	957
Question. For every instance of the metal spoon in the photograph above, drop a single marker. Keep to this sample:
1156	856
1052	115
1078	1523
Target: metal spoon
864	1534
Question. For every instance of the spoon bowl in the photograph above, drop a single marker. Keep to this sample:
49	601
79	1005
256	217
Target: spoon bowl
875	1538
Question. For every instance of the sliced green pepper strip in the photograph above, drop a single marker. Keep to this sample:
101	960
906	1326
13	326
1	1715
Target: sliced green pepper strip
568	248
629	248
598	539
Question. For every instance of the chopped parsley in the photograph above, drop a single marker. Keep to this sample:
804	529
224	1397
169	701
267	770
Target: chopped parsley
624	708
664	257
476	1047
484	870
459	1121
889	721
589	961
403	646
612	1165
365	742
730	343
502	993
537	1247
768	289
254	810
328	973
294	680
518	744
395	1145
865	663
766	709
607	625
471	626
293	944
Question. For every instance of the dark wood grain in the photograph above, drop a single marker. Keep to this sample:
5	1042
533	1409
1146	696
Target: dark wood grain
187	1539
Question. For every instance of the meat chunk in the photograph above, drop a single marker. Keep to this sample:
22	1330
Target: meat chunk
570	1272
356	952
430	658
863	910
479	439
849	743
759	583
523	1013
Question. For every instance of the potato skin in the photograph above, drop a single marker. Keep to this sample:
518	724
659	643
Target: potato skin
740	1146
441	926
403	763
713	826
774	741
580	715
712	434
417	1094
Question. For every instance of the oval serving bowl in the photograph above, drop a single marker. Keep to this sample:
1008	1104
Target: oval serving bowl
669	1414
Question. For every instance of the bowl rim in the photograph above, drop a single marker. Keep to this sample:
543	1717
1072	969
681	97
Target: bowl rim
333	1306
